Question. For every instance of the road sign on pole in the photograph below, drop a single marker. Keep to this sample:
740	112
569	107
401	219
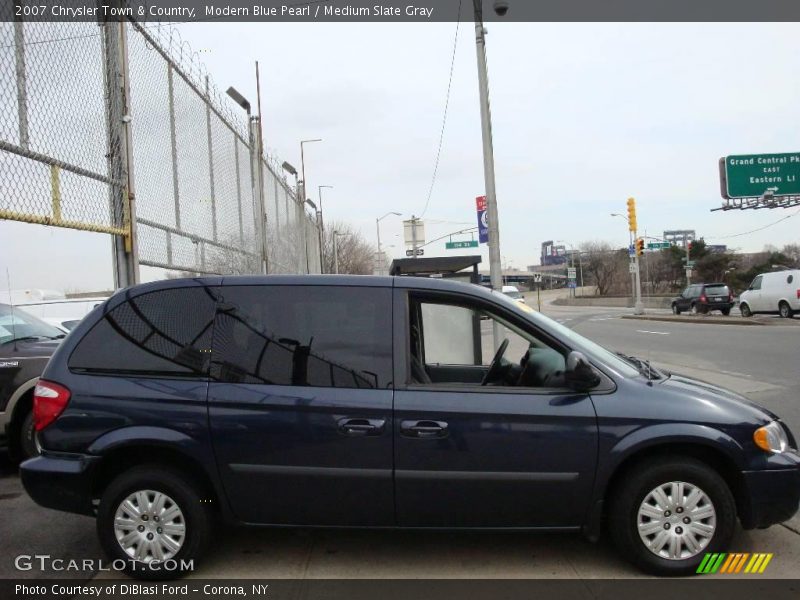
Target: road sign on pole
757	175
658	245
537	278
420	252
462	244
571	273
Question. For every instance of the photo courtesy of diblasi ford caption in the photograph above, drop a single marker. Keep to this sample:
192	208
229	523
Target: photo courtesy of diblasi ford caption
359	401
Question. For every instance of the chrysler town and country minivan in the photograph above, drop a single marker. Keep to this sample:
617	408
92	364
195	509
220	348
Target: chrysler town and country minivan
386	402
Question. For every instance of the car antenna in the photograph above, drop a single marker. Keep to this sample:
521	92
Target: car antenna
11	304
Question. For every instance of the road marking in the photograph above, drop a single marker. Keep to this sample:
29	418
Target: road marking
654	332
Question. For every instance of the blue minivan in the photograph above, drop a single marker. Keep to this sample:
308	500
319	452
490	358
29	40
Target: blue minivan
385	402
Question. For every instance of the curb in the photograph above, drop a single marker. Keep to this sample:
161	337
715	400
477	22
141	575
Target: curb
704	320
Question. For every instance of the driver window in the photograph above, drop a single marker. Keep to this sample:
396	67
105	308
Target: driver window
454	344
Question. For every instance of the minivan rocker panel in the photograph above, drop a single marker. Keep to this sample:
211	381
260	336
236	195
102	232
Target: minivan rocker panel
382	402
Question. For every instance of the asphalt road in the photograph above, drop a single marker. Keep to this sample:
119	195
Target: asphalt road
760	362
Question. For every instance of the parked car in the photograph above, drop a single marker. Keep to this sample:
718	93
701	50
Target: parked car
513	292
384	402
26	344
777	292
64	314
702	298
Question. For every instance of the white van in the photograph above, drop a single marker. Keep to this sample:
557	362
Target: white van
777	292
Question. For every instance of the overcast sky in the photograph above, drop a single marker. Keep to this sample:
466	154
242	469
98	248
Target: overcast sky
584	116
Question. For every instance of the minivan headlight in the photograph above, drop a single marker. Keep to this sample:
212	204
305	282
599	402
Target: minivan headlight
771	438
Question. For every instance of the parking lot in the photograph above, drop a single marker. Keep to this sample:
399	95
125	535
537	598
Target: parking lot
759	362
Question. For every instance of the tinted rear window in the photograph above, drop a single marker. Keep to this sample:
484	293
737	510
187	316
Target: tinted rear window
304	335
717	290
163	333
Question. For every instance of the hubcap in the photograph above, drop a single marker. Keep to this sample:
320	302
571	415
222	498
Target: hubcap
149	526
676	520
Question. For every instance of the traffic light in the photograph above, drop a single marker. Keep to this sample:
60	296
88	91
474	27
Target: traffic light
639	246
631	214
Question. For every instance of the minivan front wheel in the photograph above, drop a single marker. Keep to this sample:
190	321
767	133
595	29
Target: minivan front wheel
668	513
745	310
153	522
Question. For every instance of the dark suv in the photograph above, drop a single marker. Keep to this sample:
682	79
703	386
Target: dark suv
26	344
387	402
701	298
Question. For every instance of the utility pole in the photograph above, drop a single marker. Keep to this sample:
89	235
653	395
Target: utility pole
638	307
495	270
335	253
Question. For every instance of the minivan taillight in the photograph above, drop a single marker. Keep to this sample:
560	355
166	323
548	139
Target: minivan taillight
798	294
49	400
703	298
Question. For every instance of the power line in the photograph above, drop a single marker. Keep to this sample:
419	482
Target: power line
444	116
735	235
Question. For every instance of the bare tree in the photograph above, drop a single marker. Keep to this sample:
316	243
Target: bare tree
356	255
604	264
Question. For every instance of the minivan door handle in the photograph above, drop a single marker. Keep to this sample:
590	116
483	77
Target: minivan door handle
423	429
357	427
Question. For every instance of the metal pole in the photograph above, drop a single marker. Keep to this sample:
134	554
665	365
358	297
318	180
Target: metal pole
22	92
258	191
380	262
413	236
120	155
211	163
335	253
321	241
495	270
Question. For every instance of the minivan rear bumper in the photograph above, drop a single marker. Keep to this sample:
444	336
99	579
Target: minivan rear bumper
60	481
773	496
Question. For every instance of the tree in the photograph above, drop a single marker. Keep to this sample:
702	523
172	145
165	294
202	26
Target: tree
604	264
356	255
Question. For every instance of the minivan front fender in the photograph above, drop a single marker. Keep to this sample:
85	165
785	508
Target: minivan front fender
662	436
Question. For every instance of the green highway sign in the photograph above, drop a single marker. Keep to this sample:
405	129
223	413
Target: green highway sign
457	245
754	175
658	245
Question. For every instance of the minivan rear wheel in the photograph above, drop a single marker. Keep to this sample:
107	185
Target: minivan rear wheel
153	521
669	512
785	310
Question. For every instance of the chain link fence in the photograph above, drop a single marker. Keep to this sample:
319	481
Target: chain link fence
94	114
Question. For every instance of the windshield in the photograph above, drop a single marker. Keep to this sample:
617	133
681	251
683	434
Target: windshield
16	324
575	340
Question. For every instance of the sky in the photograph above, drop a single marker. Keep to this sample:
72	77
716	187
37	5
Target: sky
584	116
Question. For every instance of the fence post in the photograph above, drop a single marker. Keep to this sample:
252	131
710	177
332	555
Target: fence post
258	192
22	92
211	163
173	134
120	154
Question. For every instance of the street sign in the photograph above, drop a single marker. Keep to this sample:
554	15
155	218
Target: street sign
754	175
571	273
658	245
537	278
632	267
632	250
414	230
572	285
463	244
420	252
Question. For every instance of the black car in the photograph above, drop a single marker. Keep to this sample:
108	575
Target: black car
386	402
702	298
26	344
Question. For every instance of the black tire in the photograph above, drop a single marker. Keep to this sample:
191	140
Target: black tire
185	494
675	309
638	483
785	311
27	443
726	311
745	310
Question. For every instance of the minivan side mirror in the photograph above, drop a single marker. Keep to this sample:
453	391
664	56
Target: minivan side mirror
580	375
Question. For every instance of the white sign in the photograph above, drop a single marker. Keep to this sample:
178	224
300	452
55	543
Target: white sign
412	228
633	267
571	272
537	278
420	252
